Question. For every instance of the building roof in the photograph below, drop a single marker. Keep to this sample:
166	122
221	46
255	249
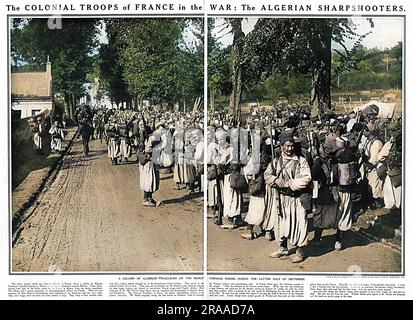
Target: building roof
32	84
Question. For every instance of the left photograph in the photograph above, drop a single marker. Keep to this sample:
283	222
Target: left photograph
106	144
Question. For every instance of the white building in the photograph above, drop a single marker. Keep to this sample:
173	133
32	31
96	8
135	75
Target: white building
32	92
93	98
98	100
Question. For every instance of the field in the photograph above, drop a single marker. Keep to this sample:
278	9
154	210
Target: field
363	97
338	98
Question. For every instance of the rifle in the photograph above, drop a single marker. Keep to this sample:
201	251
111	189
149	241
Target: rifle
219	205
239	143
309	138
316	143
362	158
337	126
272	148
385	132
360	134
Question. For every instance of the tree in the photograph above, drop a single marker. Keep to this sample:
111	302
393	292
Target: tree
69	49
110	71
190	59
155	61
371	72
219	67
237	68
300	46
397	52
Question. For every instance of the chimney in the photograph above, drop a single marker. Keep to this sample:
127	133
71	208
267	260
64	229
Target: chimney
49	75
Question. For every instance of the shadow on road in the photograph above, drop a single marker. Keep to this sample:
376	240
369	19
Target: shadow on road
166	176
184	198
350	240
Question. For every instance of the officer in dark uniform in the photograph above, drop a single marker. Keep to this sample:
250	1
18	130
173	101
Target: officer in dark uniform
84	116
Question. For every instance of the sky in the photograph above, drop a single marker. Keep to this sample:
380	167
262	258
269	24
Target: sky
387	31
188	36
102	36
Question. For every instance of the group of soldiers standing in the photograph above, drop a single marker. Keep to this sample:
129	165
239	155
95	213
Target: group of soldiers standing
160	139
55	130
293	167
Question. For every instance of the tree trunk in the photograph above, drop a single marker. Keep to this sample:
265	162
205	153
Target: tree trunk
212	100
67	105
237	47
322	76
72	109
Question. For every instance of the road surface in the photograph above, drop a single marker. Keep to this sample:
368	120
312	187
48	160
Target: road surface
227	251
91	218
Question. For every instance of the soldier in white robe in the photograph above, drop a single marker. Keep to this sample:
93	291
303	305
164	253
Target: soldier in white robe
232	198
255	214
392	183
189	167
148	173
125	148
290	175
178	139
392	193
212	160
256	207
199	160
112	133
166	158
37	129
57	137
376	155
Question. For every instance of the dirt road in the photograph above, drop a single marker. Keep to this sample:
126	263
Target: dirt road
92	219
227	251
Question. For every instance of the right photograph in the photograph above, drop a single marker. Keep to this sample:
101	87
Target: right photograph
305	144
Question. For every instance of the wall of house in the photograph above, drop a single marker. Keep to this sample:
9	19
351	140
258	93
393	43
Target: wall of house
30	83
28	108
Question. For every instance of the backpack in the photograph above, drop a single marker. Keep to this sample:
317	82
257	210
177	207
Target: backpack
395	176
238	182
256	185
144	159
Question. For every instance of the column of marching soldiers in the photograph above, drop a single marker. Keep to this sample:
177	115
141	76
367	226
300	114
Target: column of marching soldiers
296	169
160	139
293	168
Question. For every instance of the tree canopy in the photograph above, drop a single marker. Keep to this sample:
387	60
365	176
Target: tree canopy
302	46
142	59
150	59
69	49
292	51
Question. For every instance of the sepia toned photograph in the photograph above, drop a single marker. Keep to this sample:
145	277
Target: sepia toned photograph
106	144
304	144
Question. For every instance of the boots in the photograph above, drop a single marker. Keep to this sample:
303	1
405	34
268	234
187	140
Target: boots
299	255
229	224
248	235
269	235
282	252
338	246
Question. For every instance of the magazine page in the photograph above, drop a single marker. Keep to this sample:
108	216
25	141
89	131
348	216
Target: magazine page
105	141
205	150
313	212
